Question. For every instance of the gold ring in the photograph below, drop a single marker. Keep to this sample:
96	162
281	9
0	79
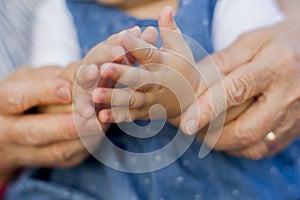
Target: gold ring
270	140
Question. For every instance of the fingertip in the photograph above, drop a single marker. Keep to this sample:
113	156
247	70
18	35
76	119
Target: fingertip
136	31
91	72
104	116
150	35
87	76
191	127
167	11
166	18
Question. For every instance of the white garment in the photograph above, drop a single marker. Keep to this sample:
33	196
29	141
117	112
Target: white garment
55	40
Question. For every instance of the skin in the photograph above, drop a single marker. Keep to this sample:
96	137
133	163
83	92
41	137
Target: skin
144	96
20	132
49	138
267	68
59	146
172	66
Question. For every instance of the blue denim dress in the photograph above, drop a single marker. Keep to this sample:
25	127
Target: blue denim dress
217	176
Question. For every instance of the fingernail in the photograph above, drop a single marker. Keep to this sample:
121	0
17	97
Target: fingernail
64	94
191	127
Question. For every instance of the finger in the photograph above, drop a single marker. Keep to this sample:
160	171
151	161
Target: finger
60	154
120	97
150	35
36	130
110	50
139	49
246	47
284	136
116	38
171	34
19	96
231	114
47	71
239	86
252	126
88	76
132	77
119	115
24	73
254	152
84	106
104	53
136	31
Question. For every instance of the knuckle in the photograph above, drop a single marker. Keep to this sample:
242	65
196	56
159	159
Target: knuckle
23	134
69	130
239	89
16	99
60	154
149	54
221	61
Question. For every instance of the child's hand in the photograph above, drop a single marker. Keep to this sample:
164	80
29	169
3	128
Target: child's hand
85	74
166	76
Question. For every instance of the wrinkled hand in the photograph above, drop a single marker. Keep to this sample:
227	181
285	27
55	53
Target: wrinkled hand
264	64
36	139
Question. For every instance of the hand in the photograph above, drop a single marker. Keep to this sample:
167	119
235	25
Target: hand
264	64
163	74
36	139
168	76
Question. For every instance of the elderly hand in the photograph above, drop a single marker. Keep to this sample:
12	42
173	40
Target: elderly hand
264	65
36	139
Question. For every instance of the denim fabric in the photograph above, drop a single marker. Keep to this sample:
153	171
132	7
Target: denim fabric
217	176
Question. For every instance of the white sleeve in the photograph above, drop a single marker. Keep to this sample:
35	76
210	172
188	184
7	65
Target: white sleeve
54	36
233	18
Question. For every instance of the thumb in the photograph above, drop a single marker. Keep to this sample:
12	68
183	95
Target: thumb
171	34
18	96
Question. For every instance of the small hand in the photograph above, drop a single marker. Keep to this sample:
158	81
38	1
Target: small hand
164	76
